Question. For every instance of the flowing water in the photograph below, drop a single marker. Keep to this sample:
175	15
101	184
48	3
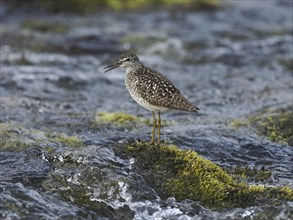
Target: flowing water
233	63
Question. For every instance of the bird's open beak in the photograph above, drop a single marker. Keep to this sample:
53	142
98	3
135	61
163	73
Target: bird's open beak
111	67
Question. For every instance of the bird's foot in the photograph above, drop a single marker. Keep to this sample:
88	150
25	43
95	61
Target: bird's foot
152	143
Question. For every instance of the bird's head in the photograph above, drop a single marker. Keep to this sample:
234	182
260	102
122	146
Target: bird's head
129	60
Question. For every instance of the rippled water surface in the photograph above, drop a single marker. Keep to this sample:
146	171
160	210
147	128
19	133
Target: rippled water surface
233	63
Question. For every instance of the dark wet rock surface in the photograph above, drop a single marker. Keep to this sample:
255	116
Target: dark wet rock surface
234	64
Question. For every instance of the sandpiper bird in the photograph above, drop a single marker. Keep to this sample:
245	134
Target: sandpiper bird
151	89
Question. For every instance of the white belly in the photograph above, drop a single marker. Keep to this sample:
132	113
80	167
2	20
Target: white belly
147	105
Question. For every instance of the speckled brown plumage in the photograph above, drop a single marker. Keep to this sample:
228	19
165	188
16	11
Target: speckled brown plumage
156	89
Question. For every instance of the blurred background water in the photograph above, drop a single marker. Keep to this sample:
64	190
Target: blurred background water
232	59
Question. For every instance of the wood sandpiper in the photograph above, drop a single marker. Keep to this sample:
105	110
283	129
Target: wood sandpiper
151	89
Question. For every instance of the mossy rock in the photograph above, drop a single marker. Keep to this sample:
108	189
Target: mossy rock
88	6
235	123
69	141
121	118
276	126
261	194
117	118
184	174
17	138
250	173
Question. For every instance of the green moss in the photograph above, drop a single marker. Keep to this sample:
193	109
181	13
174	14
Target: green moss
69	141
44	26
273	194
17	138
200	4
74	114
88	6
238	123
119	5
186	175
73	6
11	138
14	145
116	118
252	174
196	178
277	127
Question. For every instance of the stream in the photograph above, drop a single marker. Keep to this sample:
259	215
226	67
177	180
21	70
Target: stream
233	63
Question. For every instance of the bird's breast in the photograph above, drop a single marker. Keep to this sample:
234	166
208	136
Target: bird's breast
138	94
131	83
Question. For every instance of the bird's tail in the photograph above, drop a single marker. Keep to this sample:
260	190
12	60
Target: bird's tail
179	102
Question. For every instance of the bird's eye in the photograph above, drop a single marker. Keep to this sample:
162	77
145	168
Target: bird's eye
128	59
